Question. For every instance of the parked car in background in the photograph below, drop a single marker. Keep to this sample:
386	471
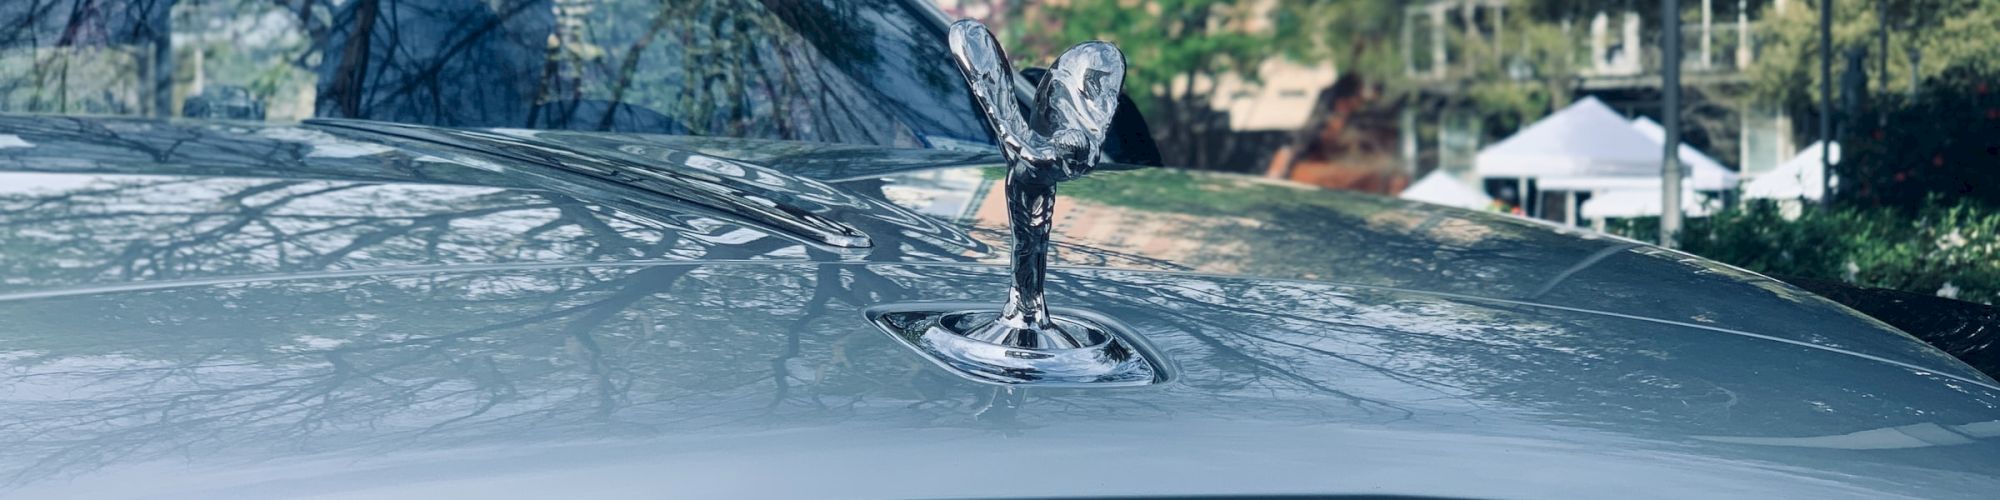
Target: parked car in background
501	266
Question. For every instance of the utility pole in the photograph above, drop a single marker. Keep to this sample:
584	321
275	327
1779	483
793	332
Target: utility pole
1826	103
160	61
1707	33
1670	119
1916	61
1882	39
1742	34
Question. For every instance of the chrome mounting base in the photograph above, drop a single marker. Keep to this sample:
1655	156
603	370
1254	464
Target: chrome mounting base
1083	349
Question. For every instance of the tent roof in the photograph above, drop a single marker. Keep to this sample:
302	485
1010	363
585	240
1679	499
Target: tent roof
1586	139
1704	172
1441	189
1796	178
1640	203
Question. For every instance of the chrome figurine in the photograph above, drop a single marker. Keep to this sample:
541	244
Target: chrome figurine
1020	342
1060	140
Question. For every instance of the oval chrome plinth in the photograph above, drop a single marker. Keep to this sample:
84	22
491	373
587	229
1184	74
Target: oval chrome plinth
1107	353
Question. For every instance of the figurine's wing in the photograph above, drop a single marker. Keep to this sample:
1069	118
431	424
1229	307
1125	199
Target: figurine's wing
1075	102
991	78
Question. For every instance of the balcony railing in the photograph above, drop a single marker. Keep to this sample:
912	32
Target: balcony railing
1721	58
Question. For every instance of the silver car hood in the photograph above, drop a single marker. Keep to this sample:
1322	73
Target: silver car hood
204	310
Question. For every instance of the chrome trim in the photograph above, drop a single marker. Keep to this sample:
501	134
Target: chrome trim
1108	353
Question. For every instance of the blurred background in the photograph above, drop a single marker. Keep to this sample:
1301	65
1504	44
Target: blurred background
1545	109
1552	109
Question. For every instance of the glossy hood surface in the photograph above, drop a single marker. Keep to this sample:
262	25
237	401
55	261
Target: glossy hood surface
216	310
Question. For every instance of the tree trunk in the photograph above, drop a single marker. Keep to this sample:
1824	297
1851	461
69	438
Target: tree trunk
351	77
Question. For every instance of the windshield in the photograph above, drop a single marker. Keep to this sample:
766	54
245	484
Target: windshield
848	71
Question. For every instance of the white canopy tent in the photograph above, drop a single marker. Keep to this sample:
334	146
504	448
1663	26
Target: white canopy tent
1586	139
1704	173
1589	148
1642	203
1441	189
1799	177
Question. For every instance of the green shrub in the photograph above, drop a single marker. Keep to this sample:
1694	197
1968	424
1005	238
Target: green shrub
1943	142
1950	249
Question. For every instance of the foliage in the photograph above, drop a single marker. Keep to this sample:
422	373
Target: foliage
1515	78
1948	34
1942	142
1179	191
1177	52
1901	148
1164	43
1185	192
1181	50
1950	249
1361	35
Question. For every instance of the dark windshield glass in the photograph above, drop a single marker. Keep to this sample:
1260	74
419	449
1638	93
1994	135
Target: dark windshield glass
850	71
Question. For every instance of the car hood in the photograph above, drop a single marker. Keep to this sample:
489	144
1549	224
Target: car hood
216	310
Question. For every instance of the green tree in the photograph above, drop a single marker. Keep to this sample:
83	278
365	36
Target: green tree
1177	52
1947	33
1901	148
1180	49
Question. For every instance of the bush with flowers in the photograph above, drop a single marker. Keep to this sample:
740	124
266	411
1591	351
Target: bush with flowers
1945	248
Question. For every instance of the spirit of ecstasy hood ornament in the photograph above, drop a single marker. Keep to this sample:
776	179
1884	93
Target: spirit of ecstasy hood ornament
1020	342
1060	140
